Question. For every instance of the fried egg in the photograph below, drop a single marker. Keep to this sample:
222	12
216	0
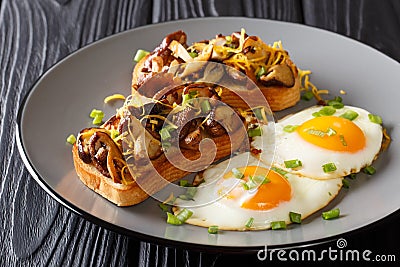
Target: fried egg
250	191
313	144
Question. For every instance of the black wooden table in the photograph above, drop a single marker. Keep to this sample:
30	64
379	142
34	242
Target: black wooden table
35	34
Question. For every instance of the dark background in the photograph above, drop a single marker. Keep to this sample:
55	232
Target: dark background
35	34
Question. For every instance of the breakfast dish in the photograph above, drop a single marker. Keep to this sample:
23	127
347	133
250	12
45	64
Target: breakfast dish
85	80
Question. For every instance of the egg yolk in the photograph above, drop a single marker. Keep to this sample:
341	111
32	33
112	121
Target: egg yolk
333	133
268	195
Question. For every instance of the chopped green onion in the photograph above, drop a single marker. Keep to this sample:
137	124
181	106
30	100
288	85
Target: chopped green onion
350	115
190	192
352	176
213	229
329	167
163	207
375	118
228	38
341	137
295	217
184	214
260	113
71	139
140	53
98	119
114	134
193	54
96	112
261	179
370	170
316	114
280	171
316	132
290	128
338	99
205	106
237	174
335	104
330	132
249	222
331	214
246	186
307	96
345	183
165	134
327	111
278	225
166	145
294	163
184	183
254	132
172	219
261	72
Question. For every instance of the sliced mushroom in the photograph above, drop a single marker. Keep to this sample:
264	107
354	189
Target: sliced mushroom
255	48
192	140
144	145
278	75
228	118
83	144
100	145
179	51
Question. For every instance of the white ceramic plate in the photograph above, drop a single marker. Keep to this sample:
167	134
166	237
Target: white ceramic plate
59	102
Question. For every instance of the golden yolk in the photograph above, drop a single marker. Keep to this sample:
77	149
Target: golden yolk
333	133
268	195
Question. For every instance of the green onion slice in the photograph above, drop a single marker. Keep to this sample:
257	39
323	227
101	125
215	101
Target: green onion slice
193	54
375	118
165	134
345	183
331	214
294	163
71	139
329	167
261	72
370	170
342	140
172	219
140	53
98	119
336	104
96	112
164	207
350	115
205	106
237	174
327	111
290	128
184	214
280	171
254	132
307	96
213	229
330	132
278	225
249	222
295	217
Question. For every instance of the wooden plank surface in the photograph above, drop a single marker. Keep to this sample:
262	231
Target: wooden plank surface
35	34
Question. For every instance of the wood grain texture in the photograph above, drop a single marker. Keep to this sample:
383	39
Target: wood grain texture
35	34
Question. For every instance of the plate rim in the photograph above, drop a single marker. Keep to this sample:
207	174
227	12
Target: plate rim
162	240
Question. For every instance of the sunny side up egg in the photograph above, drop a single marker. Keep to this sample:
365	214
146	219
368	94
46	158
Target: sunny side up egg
323	147
229	200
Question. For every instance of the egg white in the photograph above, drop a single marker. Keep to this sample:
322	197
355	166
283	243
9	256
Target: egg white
307	196
291	146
